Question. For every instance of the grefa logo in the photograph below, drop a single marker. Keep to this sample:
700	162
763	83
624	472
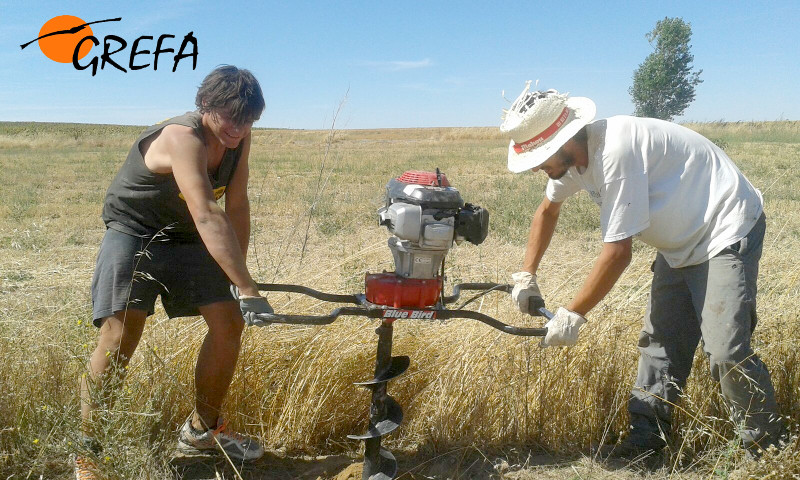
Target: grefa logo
68	39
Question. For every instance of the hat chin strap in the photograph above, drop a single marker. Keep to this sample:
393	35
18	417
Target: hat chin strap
534	142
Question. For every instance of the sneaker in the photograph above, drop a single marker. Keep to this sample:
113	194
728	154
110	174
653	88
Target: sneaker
85	469
233	444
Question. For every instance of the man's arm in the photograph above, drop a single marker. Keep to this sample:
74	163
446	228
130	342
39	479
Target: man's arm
541	232
189	166
613	260
237	205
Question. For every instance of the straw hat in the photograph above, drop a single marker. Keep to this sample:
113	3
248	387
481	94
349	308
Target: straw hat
539	123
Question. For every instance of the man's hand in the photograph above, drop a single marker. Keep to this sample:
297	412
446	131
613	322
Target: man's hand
524	289
251	306
562	329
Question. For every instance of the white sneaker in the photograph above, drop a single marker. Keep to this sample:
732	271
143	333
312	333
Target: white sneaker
234	444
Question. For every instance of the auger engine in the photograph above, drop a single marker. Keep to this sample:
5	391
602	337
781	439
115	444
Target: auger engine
425	216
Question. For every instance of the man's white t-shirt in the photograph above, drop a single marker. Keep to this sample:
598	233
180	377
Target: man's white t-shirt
665	183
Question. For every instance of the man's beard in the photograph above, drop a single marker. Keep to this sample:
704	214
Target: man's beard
566	164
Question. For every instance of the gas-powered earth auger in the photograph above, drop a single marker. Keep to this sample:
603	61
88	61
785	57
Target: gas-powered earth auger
425	216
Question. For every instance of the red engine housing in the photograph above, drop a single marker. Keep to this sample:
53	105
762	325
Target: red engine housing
396	291
421	177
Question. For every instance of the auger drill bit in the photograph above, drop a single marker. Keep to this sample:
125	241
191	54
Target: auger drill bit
385	414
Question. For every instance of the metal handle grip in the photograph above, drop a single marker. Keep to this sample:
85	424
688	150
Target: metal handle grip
536	305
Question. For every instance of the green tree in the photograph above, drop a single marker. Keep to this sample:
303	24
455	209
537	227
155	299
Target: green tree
663	85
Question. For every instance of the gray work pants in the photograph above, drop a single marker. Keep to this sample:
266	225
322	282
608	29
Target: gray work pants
714	301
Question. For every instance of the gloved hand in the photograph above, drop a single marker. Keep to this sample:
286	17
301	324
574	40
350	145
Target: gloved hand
562	329
251	306
524	288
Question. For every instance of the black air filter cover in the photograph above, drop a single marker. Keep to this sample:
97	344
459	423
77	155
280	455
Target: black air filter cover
472	223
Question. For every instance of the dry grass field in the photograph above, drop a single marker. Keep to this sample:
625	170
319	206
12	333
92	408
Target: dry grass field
478	403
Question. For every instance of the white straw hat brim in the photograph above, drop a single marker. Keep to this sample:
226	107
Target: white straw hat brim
582	111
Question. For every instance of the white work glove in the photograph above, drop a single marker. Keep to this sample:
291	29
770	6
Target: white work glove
250	306
562	329
524	288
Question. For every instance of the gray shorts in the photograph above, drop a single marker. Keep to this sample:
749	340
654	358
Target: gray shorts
132	271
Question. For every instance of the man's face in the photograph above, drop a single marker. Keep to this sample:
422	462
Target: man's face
228	132
557	165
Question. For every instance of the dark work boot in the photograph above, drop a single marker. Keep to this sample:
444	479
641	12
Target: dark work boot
754	451
645	443
627	450
649	458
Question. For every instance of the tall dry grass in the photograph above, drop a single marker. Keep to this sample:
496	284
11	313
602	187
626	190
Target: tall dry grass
468	385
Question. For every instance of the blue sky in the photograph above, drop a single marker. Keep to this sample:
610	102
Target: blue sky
403	63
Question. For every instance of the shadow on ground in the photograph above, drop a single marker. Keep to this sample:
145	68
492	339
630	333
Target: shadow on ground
268	467
460	463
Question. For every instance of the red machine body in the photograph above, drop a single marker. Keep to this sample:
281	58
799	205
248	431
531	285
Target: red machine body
396	291
420	177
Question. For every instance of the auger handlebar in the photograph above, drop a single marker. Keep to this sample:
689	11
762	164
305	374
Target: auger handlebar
370	310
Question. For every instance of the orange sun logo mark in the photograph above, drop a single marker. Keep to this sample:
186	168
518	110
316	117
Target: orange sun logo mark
61	47
60	35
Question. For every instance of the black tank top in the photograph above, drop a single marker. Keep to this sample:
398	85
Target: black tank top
142	203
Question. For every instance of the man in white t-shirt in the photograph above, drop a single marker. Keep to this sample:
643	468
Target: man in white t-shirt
678	192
